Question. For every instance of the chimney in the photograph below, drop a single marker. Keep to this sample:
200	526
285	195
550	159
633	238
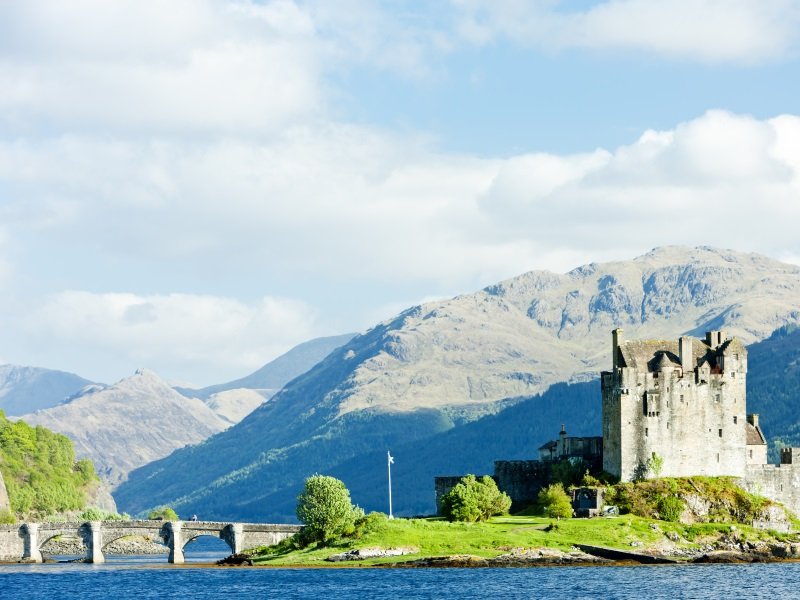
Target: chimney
616	340
686	352
753	419
715	338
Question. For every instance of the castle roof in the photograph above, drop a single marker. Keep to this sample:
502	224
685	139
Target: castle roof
549	445
755	437
652	355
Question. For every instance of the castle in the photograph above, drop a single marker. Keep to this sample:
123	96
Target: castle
671	408
681	405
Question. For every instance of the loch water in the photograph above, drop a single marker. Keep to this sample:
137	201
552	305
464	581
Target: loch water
145	578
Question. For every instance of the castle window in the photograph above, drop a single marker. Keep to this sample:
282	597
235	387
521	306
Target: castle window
716	397
667	424
717	456
735	419
733	374
751	454
720	433
646	432
681	397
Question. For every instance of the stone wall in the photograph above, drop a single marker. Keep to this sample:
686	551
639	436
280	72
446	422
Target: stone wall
522	480
11	543
780	483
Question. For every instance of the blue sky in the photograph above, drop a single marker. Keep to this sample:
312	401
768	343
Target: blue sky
196	186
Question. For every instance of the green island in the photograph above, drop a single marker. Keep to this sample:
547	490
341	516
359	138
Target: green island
698	519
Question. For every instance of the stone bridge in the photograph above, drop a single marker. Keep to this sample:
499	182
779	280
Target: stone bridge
23	542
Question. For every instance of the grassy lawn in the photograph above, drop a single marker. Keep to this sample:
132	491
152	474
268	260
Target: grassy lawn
436	537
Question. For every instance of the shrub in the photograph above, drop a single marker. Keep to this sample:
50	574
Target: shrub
7	517
374	522
554	502
163	513
474	499
325	509
670	508
98	514
655	464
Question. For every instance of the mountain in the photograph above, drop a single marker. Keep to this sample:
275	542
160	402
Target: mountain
277	373
133	422
773	387
443	364
26	389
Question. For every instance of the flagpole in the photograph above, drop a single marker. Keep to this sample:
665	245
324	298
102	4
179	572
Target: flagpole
389	462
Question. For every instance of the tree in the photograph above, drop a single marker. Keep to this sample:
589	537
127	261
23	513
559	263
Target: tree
473	499
554	502
325	509
163	513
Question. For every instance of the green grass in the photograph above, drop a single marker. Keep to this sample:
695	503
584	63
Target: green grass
436	537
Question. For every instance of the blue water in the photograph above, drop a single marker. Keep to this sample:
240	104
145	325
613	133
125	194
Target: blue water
153	579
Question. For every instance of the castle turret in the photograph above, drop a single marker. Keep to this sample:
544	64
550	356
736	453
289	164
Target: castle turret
616	340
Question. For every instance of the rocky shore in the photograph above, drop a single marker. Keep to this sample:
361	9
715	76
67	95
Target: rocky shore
746	552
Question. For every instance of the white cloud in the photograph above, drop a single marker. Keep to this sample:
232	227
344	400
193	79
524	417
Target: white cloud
722	179
200	66
184	334
346	203
713	31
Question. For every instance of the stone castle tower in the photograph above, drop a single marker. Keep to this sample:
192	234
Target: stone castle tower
681	401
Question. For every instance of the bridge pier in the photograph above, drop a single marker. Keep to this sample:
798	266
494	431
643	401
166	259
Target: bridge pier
31	551
94	543
175	545
233	535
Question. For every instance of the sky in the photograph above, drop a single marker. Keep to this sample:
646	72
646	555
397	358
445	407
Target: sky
196	186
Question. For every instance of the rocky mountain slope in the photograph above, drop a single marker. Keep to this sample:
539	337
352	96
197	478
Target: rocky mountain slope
26	389
441	364
277	373
131	423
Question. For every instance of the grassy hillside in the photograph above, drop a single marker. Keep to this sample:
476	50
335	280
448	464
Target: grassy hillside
40	470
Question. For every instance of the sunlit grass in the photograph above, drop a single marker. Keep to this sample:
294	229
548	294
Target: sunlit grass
436	537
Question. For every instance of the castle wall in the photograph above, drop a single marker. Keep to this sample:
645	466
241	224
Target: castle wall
780	483
522	480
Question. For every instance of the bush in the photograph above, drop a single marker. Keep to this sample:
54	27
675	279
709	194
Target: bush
554	502
374	522
670	508
163	513
98	514
7	517
474	499
325	509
